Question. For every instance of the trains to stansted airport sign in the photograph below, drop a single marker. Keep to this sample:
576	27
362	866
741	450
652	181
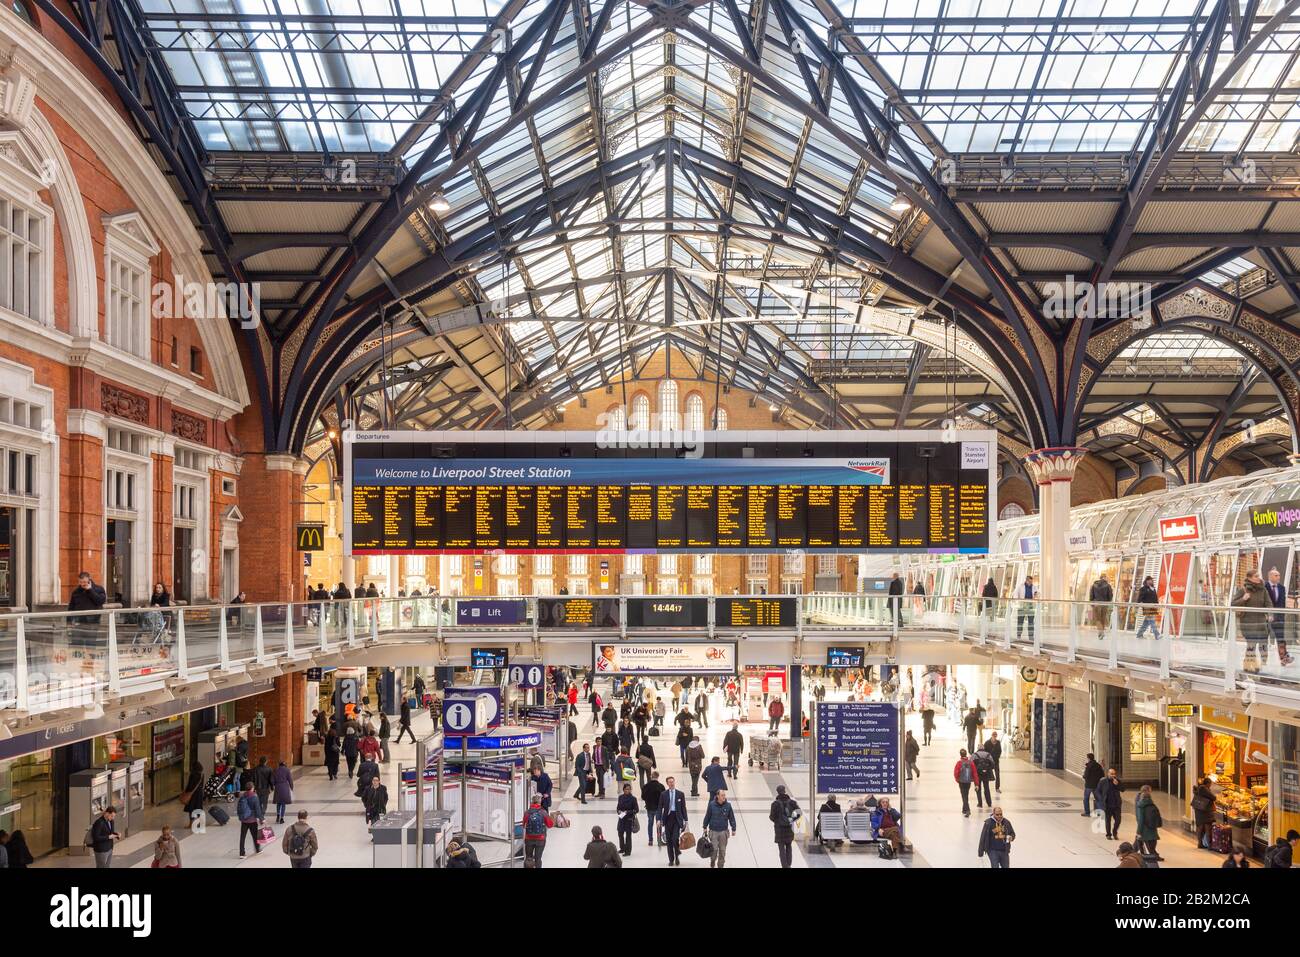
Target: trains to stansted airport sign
434	492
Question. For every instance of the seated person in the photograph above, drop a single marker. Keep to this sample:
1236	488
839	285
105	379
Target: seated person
864	805
830	807
884	823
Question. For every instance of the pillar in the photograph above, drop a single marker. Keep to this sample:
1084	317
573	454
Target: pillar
1053	470
283	711
350	572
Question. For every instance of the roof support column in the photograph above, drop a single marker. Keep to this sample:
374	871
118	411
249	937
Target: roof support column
1053	469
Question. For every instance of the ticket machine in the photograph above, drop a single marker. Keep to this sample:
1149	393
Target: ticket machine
87	798
117	789
212	745
132	807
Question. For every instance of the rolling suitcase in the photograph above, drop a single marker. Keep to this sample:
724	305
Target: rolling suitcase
653	732
1221	838
219	814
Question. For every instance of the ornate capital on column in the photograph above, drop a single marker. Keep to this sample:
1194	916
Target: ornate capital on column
1054	465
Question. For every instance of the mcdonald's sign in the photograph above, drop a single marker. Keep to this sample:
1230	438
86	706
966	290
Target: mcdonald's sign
311	538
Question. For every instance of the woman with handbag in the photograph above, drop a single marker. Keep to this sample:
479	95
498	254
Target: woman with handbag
628	820
166	850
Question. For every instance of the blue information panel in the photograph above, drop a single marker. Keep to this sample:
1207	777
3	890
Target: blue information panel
857	747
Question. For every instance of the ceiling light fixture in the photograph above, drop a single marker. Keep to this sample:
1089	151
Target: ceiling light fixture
901	203
438	203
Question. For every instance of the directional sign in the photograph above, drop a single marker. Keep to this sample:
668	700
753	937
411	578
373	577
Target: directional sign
857	748
527	676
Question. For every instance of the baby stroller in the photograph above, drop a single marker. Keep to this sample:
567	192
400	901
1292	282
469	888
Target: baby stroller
221	784
153	630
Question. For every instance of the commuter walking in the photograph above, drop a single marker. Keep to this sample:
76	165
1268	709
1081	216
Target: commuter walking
695	764
645	762
1251	623
1025	612
641	718
651	792
404	722
990	595
593	699
300	842
250	812
609	717
684	738
627	811
661	711
367	771
193	795
674	818
994	747
599	853
720	825
733	743
263	780
1149	822
103	836
332	752
536	821
601	760
282	782
965	774
972	725
784	815
385	732
911	751
1110	800
702	708
375	800
775	712
572	697
715	777
1150	611
677	695
351	750
1277	624
369	746
585	773
167	850
984	765
626	735
1101	595
995	840
927	722
1093	772
87	596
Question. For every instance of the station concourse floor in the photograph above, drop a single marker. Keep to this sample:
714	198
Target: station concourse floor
1043	806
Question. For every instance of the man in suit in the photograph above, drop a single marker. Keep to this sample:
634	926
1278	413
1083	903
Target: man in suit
672	814
583	769
1025	613
1277	623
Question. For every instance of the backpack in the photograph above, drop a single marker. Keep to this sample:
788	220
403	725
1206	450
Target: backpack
792	814
964	772
298	842
535	822
984	765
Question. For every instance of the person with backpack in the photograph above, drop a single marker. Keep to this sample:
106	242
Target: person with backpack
784	815
624	768
1203	812
250	814
300	842
911	751
1280	854
995	840
645	761
600	853
733	743
984	765
965	774
1149	823
1110	800
719	824
695	764
536	821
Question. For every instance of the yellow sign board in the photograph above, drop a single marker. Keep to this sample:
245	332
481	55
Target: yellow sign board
1236	721
311	538
1180	710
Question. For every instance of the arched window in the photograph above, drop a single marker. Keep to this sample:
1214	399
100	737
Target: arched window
640	412
24	12
668	418
720	416
1011	510
695	412
616	419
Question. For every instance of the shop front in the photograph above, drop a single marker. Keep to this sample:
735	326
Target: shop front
1232	751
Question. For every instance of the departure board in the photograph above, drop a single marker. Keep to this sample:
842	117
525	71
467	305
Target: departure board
577	613
777	612
744	492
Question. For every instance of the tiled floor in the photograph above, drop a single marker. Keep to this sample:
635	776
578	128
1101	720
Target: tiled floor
1044	808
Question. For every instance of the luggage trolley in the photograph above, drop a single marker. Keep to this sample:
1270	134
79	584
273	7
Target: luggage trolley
766	750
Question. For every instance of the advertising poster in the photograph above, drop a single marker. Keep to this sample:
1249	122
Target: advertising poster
664	657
